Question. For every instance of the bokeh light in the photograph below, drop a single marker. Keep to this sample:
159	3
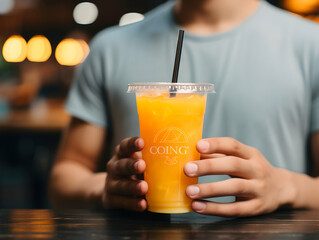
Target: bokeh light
85	49
85	13
39	49
6	6
301	6
71	52
130	18
15	49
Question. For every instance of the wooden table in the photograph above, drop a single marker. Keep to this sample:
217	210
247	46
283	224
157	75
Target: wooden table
85	224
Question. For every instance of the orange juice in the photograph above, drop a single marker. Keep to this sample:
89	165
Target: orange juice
170	127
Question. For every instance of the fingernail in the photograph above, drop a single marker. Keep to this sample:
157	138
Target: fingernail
203	146
192	191
135	166
199	206
191	168
137	143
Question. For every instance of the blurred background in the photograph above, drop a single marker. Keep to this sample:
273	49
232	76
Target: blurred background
42	42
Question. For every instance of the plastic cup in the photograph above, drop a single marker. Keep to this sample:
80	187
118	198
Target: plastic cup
171	121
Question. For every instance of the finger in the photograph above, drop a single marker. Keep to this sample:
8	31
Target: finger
235	209
137	155
229	165
126	187
227	146
214	155
125	167
128	203
230	187
130	145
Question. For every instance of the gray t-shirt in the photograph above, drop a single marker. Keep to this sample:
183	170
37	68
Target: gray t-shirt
264	70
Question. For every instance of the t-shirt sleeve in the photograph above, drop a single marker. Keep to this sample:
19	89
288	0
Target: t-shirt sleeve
314	124
86	99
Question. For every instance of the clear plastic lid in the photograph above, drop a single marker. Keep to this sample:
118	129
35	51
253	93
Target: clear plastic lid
165	87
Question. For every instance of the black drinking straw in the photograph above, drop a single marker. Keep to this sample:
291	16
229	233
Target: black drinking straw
177	58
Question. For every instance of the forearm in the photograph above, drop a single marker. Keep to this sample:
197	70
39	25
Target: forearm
72	185
303	190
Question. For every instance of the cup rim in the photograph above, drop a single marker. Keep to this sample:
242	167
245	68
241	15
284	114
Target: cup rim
165	87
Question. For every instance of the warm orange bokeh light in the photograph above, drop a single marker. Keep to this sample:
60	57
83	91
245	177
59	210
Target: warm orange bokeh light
39	49
85	48
301	6
71	52
14	49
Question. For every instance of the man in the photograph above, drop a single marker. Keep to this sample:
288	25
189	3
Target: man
262	61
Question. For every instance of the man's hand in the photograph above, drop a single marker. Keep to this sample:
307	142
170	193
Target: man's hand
257	185
124	188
